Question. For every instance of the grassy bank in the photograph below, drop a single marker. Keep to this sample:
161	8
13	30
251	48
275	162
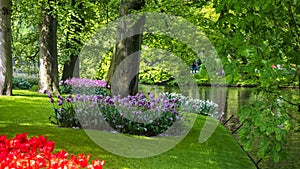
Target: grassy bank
28	112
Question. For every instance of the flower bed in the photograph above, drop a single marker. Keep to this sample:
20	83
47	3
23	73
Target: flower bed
139	115
36	152
77	85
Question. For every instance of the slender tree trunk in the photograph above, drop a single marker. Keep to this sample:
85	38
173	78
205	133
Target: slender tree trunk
71	67
124	67
6	70
48	51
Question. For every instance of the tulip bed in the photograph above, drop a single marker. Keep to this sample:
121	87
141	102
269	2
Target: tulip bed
36	152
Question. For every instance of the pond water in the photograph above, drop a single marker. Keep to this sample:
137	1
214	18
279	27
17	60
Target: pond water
229	100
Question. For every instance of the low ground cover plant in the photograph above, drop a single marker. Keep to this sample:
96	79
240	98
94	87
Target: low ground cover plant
21	152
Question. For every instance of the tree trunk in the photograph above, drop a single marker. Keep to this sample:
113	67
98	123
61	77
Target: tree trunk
6	70
124	68
71	67
48	51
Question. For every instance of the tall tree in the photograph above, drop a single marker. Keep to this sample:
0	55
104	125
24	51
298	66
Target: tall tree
73	42
124	67
5	48
48	49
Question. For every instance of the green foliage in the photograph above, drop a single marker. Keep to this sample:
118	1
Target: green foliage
64	114
103	66
24	82
124	125
153	76
25	19
265	122
202	76
65	89
258	42
21	83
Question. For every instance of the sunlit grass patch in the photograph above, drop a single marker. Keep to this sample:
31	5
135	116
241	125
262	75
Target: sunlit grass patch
29	112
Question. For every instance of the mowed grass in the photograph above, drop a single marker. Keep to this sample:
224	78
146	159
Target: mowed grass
28	111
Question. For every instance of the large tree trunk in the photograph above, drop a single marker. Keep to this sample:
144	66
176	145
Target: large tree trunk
5	48
124	68
48	51
71	67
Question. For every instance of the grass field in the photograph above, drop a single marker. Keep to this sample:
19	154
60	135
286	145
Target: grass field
28	111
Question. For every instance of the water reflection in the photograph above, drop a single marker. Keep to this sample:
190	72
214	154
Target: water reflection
235	98
228	99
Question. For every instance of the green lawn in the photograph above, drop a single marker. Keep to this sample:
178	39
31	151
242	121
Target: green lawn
28	112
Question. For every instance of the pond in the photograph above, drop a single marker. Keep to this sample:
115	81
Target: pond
229	100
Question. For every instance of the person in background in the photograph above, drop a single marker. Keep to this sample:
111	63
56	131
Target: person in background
194	68
198	64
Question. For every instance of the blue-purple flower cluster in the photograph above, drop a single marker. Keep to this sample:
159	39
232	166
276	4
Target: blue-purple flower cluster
141	114
78	85
64	112
78	82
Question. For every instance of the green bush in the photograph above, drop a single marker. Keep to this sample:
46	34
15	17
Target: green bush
154	76
21	83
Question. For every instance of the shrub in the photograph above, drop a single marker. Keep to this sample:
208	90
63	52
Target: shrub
36	152
21	83
154	76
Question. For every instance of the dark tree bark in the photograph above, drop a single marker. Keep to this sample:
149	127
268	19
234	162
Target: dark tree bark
6	70
48	70
71	67
123	71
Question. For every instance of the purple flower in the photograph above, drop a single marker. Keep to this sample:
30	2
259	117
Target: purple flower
59	103
60	97
49	95
51	100
69	99
99	97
